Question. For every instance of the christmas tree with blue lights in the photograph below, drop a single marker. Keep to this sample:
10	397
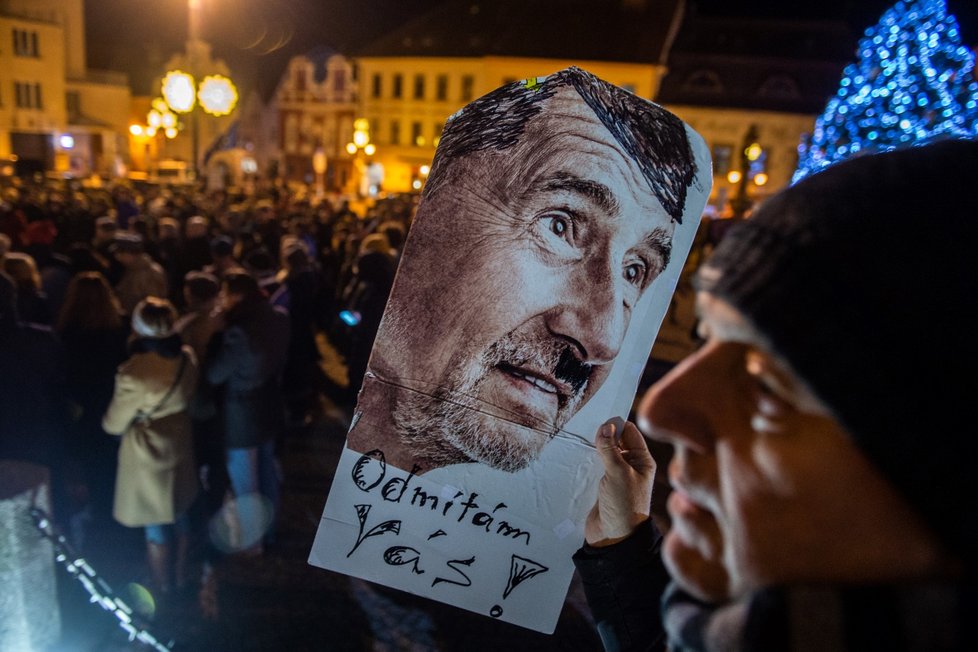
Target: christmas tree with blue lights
912	84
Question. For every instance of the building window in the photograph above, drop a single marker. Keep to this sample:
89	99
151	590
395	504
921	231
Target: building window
416	137
398	84
376	86
468	87
780	87
703	81
722	159
395	132
25	43
441	88
419	87
28	95
339	80
439	127
73	104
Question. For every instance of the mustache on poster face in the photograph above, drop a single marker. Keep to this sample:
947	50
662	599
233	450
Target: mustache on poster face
541	352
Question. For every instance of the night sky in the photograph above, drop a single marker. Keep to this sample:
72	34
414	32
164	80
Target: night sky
257	37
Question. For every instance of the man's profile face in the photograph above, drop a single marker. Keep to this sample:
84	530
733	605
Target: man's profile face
517	290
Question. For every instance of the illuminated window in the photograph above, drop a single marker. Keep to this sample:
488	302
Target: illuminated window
28	95
25	43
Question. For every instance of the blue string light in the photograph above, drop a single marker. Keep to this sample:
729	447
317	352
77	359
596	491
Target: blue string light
912	84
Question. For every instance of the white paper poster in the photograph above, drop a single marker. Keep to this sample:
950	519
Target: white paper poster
543	257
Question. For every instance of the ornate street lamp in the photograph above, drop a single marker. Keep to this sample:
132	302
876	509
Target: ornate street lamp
360	146
216	95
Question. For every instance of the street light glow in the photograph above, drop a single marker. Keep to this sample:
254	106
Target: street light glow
217	95
760	178
734	176
351	149
136	130
178	91
370	149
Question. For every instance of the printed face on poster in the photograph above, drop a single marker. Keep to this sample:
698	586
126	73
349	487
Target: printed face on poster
542	259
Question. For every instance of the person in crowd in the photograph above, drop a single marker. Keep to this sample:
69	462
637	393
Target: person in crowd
170	258
93	335
102	243
142	277
197	328
33	412
823	495
299	295
197	247
156	481
222	255
371	286
247	363
32	302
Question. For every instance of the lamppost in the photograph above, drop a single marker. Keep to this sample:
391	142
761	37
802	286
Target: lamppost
215	94
358	147
751	153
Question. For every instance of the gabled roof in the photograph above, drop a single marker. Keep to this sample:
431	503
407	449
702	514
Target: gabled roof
601	30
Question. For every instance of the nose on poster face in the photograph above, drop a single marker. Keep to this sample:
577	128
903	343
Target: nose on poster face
591	314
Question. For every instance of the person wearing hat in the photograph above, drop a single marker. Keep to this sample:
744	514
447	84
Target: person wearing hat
823	489
156	482
142	277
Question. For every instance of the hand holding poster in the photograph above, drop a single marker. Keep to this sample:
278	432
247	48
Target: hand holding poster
543	256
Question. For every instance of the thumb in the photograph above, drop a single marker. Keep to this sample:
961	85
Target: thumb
607	444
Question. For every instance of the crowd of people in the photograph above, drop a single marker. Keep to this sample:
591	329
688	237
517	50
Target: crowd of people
821	489
157	345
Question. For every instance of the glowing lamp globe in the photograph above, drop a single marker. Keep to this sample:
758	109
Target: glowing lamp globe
217	95
178	91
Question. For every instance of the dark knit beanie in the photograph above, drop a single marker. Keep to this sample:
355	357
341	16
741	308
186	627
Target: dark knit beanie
863	278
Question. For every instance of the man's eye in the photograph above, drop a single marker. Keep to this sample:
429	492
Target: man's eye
635	273
559	225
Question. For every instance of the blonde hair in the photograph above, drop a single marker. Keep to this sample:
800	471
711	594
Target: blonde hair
22	269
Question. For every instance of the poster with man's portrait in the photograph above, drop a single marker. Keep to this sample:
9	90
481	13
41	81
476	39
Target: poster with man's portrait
546	247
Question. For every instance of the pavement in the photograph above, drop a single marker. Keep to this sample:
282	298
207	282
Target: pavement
277	601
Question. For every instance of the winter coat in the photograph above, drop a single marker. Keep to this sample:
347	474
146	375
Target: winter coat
248	362
156	480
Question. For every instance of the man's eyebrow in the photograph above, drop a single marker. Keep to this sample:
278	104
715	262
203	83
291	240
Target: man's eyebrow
596	191
660	241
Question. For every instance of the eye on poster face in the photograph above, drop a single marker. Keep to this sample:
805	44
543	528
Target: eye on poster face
542	259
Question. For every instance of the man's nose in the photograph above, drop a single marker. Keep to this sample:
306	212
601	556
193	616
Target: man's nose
682	408
591	313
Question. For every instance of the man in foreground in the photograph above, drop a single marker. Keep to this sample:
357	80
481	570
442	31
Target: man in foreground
823	490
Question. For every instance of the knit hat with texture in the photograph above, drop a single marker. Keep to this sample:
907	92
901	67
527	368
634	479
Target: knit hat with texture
863	278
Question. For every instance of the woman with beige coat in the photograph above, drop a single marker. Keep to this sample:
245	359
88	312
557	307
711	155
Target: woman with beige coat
156	481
